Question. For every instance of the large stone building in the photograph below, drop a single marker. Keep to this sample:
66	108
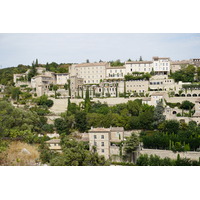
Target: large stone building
161	65
158	65
91	73
101	139
115	72
138	66
138	86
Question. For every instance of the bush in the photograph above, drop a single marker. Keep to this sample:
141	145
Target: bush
44	101
186	105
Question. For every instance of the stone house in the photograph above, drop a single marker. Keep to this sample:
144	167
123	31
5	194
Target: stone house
102	139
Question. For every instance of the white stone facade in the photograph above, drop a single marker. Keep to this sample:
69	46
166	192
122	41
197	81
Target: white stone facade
100	139
91	73
138	66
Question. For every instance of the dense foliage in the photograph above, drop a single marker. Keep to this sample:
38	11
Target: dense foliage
74	153
154	160
43	101
22	124
131	115
186	74
137	76
6	74
174	136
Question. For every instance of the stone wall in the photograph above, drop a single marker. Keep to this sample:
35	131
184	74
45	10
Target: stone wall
193	155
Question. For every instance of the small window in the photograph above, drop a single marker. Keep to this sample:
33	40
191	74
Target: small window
95	137
102	150
102	144
102	136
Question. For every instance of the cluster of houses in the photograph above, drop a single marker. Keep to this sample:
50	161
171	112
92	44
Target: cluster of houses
104	80
107	142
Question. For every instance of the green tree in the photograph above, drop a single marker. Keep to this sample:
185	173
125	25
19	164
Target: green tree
62	126
81	121
15	92
55	88
186	105
87	100
77	154
130	147
158	114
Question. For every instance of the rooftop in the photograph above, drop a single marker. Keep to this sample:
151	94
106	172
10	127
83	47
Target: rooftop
158	94
53	141
196	114
111	129
116	67
139	62
99	130
146	99
91	64
117	129
180	62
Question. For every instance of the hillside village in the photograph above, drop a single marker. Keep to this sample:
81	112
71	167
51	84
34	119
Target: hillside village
170	87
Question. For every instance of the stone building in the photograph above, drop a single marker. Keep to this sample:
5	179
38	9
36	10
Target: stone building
91	73
178	65
101	139
76	86
138	66
115	72
161	65
138	86
54	144
42	83
61	78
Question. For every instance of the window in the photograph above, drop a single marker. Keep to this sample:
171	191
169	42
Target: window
95	143
102	150
102	136
102	144
95	137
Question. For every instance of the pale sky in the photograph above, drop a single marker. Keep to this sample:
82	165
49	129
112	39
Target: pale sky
19	48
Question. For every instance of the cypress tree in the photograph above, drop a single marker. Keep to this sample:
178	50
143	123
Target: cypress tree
87	100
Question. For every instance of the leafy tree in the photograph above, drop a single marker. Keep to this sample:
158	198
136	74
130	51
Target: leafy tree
170	126
77	154
130	146
44	101
140	58
81	121
87	100
158	114
15	92
186	74
45	153
61	126
186	105
55	88
32	72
